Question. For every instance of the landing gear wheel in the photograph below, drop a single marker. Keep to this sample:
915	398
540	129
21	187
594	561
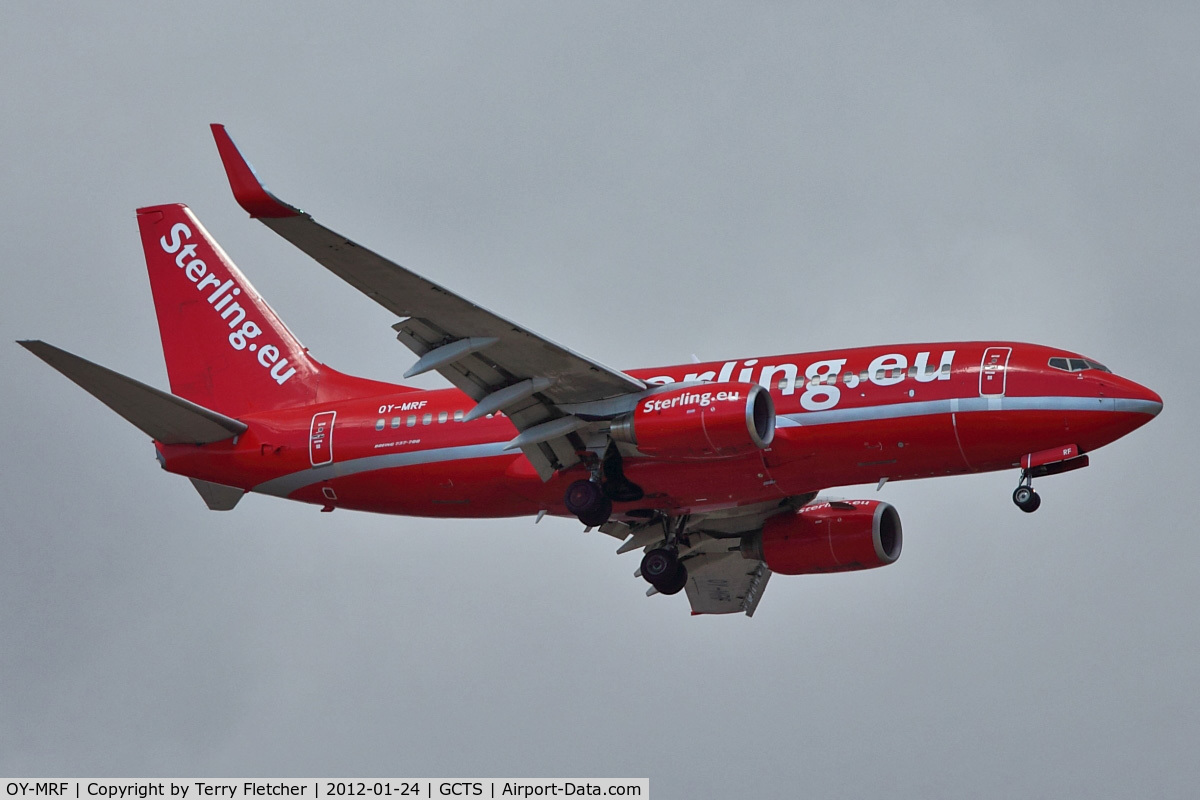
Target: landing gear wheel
1026	499
677	582
663	570
598	515
582	495
659	566
586	500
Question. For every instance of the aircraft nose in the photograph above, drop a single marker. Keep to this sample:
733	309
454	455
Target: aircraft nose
1142	399
1154	403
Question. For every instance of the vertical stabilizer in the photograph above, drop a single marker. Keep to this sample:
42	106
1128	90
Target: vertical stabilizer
225	348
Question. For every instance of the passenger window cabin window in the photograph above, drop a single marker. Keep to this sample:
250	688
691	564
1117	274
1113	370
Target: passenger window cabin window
395	422
428	418
412	420
442	417
379	423
458	416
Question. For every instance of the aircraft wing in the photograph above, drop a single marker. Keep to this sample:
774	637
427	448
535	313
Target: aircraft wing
725	583
720	579
501	365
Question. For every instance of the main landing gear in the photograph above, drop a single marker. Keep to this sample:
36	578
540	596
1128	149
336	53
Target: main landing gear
662	567
586	500
663	570
1024	496
592	500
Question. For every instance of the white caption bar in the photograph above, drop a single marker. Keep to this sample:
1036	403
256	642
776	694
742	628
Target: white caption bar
314	788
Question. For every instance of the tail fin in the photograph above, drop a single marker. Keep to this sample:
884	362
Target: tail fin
225	348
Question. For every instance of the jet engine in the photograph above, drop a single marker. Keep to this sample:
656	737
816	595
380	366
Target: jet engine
711	420
828	537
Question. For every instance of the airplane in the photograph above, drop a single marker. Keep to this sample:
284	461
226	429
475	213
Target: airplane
712	470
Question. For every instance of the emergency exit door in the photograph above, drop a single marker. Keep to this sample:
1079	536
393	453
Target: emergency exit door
320	438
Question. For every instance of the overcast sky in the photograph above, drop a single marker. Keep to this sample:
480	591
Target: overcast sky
639	184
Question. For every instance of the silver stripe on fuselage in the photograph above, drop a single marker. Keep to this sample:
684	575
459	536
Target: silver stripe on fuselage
286	484
964	405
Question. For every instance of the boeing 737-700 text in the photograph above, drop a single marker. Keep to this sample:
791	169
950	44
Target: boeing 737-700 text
711	470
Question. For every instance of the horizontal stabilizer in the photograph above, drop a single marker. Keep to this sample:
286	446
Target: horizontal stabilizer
160	415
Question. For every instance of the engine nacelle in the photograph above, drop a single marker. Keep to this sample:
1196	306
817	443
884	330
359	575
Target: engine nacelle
712	420
828	537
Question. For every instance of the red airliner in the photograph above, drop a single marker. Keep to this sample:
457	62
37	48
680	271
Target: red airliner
711	469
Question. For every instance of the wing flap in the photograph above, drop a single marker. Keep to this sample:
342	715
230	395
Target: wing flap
720	579
725	583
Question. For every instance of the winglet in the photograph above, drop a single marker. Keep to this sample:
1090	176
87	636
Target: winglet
247	188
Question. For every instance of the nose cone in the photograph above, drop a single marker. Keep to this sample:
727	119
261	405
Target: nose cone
1153	402
1139	399
1134	404
1128	405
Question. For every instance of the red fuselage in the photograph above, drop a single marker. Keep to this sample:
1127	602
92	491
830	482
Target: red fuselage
843	417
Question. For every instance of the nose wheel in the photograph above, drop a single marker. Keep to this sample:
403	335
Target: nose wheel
1024	496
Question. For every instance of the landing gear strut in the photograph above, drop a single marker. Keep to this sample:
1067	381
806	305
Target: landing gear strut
1024	496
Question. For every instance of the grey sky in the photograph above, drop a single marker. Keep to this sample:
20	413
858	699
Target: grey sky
641	185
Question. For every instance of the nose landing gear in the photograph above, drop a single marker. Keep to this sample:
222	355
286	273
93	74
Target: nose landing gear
1024	496
1054	461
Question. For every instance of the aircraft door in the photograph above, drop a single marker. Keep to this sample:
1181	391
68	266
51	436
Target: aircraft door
320	438
993	371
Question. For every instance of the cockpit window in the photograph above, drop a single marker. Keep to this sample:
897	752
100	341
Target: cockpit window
1077	364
